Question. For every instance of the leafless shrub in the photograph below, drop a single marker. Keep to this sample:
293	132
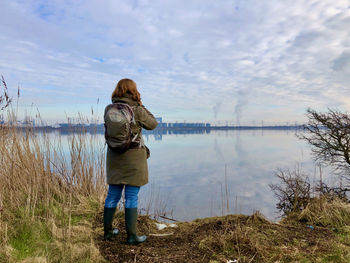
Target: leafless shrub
293	191
329	136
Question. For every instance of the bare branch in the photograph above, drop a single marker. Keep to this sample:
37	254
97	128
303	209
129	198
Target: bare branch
329	136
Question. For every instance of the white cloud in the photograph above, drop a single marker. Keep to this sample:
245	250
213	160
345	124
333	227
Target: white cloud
186	56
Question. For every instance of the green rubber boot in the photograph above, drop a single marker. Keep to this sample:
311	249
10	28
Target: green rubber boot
130	224
109	232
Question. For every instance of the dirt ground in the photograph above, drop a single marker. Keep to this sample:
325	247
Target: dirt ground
245	238
179	246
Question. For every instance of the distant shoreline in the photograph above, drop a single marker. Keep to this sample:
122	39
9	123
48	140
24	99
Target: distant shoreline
100	128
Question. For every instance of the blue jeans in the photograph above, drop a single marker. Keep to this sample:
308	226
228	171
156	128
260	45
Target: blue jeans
115	193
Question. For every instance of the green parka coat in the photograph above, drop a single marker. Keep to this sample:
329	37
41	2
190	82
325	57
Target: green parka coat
131	167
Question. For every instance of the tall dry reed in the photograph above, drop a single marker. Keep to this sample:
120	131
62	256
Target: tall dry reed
48	180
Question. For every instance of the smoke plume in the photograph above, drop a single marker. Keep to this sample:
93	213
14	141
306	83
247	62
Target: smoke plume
242	101
216	109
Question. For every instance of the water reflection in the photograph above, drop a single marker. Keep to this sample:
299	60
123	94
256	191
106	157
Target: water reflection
190	170
187	170
158	133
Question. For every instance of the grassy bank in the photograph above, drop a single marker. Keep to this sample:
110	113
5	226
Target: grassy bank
320	233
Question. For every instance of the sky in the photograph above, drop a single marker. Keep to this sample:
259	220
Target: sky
236	61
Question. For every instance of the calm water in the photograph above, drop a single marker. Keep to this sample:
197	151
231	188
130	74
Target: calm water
188	171
187	177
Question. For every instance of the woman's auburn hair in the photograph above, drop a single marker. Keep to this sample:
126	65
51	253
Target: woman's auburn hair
127	86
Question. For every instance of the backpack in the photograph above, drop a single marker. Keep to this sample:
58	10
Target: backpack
118	119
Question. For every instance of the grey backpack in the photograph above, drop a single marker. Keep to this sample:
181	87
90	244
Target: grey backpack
118	118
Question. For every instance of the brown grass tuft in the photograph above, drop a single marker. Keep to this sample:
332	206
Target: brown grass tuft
328	213
45	199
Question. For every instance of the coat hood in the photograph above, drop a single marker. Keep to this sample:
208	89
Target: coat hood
127	98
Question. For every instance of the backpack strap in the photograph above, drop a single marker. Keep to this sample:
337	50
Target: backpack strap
133	121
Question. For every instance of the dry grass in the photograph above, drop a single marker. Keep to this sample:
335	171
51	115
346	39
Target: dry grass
46	201
233	237
326	212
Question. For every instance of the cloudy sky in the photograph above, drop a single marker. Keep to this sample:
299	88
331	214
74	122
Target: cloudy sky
244	61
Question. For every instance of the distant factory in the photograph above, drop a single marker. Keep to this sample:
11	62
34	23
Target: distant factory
181	125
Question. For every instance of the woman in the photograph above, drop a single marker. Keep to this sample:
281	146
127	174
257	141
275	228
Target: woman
128	170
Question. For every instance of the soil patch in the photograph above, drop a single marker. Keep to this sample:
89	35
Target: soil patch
218	239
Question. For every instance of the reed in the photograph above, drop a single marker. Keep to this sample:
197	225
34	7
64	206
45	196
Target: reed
45	199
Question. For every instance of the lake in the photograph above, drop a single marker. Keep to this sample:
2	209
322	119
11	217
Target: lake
214	173
201	175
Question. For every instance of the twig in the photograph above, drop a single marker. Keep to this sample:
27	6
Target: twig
171	219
